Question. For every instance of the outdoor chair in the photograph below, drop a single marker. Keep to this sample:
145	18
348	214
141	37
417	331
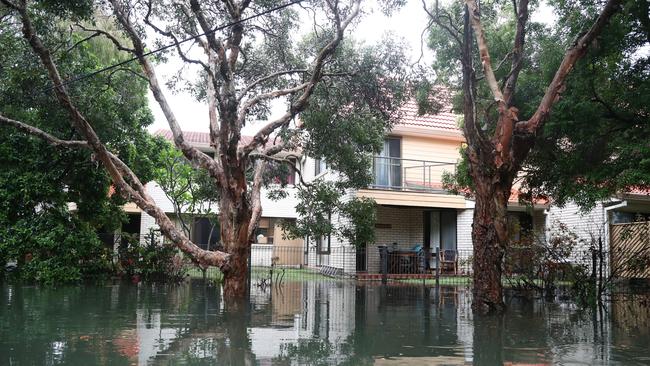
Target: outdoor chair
449	261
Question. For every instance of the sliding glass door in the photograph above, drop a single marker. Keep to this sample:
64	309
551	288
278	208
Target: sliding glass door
440	229
388	165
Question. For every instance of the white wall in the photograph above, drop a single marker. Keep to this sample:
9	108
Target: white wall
586	225
343	254
159	197
283	208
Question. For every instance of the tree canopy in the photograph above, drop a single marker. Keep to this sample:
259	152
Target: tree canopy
595	143
241	58
38	181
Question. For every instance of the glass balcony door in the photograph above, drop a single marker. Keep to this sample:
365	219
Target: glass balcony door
388	165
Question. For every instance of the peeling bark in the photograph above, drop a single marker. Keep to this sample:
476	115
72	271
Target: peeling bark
495	162
239	206
489	235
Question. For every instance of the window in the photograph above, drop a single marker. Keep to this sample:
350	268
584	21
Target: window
323	243
388	165
206	233
291	174
265	231
623	217
284	172
519	225
320	166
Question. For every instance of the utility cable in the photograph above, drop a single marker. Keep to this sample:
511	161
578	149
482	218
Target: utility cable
107	68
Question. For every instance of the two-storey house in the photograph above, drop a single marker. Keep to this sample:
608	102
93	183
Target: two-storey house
414	211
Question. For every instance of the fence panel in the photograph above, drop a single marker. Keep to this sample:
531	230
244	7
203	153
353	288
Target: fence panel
630	250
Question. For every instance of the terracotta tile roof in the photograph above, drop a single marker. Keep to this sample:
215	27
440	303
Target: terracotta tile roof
445	119
515	193
640	191
195	137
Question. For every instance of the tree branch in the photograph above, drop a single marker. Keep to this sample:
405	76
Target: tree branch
171	36
213	99
50	139
256	196
213	42
195	156
110	37
472	132
475	18
265	96
283	159
300	104
269	77
521	15
56	142
436	19
557	85
85	39
114	168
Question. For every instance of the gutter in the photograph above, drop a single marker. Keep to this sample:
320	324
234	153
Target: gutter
606	214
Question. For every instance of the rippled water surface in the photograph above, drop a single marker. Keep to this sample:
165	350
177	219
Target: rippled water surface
307	323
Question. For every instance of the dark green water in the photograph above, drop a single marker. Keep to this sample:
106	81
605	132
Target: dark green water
307	323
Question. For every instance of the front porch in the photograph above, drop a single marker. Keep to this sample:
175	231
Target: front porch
416	241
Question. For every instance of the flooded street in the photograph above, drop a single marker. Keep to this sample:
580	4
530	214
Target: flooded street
308	323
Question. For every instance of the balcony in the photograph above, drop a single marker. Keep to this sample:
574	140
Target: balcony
399	174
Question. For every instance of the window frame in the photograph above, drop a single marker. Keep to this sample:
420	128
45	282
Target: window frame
320	166
319	240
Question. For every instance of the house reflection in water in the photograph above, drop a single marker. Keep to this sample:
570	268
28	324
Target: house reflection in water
343	323
307	323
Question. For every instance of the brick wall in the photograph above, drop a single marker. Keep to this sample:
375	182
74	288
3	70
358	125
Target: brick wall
401	225
464	230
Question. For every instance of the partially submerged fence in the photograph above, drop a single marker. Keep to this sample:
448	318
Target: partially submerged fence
522	266
531	266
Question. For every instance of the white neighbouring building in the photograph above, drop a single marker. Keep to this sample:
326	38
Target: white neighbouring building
269	233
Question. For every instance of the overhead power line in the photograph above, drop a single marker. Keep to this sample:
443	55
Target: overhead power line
146	54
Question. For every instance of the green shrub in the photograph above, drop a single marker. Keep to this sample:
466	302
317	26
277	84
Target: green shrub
155	261
54	249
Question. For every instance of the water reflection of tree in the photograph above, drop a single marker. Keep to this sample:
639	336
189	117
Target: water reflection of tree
310	351
406	321
219	336
631	323
67	324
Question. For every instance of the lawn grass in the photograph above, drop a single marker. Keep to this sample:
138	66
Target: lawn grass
286	274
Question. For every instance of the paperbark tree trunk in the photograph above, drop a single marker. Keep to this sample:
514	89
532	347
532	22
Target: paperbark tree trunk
495	158
490	240
235	217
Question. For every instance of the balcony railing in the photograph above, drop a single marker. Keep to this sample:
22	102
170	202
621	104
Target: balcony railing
409	174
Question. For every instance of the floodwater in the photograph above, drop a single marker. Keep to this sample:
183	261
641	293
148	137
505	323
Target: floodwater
308	323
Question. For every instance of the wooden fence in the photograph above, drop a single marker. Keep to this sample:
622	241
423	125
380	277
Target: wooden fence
630	250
